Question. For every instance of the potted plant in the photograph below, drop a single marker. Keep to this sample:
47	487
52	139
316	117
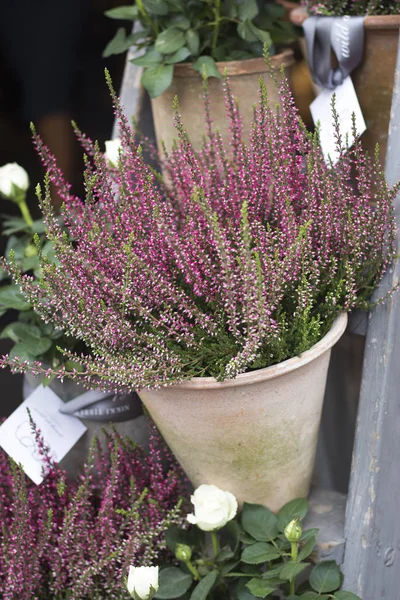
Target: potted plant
219	291
35	340
374	78
180	40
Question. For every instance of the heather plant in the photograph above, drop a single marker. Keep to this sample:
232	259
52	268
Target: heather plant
235	259
353	7
76	539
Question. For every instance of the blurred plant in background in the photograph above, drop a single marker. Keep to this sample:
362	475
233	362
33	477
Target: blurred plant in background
200	32
353	7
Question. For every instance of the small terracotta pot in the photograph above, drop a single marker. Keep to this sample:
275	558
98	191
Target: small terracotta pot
187	85
374	78
255	435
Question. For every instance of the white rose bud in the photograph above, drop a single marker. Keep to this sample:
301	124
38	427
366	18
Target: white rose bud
112	151
213	508
13	180
142	582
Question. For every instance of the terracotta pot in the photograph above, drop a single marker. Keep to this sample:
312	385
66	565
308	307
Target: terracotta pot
255	435
187	85
374	78
135	428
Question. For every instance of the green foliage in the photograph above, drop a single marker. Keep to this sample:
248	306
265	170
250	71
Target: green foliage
248	566
200	32
33	338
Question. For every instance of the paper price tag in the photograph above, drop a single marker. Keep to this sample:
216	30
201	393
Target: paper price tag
60	432
346	104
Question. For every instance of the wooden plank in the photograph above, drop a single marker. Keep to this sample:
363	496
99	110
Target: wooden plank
372	530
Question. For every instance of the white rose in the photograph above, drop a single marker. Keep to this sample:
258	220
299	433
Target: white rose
142	582
112	151
213	508
12	175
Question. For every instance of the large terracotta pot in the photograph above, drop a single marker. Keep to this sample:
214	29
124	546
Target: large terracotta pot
255	435
374	78
187	85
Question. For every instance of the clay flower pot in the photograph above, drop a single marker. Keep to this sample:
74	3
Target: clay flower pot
255	435
374	78
187	85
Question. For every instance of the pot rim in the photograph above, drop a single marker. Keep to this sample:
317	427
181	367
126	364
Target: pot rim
299	15
241	67
282	368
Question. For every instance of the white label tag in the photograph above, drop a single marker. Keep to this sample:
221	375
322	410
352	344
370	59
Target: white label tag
346	104
60	432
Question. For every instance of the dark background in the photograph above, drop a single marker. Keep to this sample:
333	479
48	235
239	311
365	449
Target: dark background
50	61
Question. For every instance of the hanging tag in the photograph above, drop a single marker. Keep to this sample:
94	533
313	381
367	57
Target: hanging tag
346	104
60	432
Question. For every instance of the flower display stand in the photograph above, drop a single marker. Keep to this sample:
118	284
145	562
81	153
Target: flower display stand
361	531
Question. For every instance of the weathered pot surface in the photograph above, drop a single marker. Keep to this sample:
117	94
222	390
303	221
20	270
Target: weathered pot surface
374	78
255	435
187	86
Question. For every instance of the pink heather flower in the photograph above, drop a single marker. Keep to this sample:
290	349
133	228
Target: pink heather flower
236	258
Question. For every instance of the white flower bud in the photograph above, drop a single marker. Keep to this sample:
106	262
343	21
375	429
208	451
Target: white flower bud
112	151
13	179
213	508
142	582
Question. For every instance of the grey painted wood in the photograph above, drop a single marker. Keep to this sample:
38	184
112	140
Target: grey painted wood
372	531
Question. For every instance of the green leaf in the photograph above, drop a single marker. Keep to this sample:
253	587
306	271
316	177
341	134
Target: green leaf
208	65
156	7
228	567
38	226
157	79
260	588
173	583
309	533
177	57
258	553
11	297
274	11
312	595
242	592
119	43
346	596
128	13
250	33
14	225
295	509
170	40
248	9
150	58
292	569
181	22
259	522
20	351
306	549
192	41
202	589
191	537
29	336
325	577
224	554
